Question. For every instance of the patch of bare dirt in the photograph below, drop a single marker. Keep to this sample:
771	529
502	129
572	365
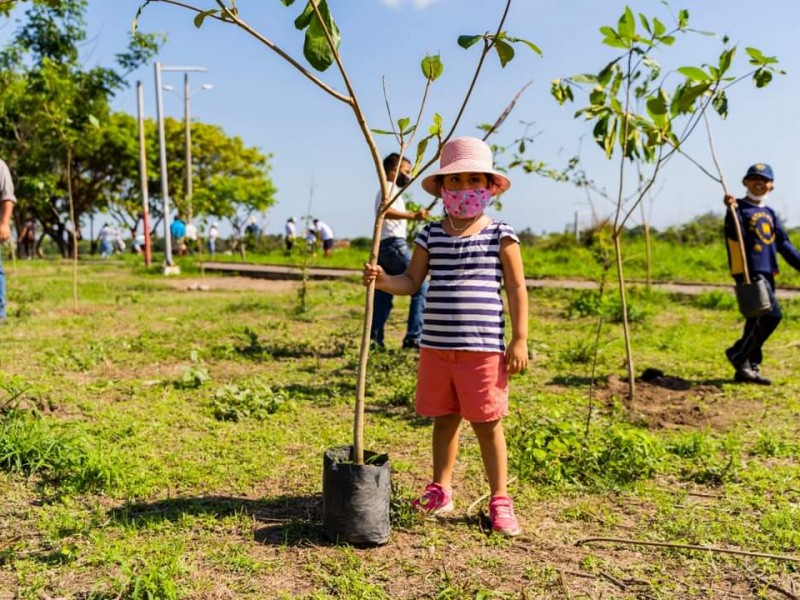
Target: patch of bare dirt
663	401
210	284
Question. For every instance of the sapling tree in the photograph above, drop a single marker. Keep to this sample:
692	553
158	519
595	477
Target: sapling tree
321	51
636	114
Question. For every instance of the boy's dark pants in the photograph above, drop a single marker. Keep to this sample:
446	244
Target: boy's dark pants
756	331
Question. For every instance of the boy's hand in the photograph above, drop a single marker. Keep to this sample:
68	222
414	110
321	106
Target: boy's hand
421	215
729	200
371	273
516	356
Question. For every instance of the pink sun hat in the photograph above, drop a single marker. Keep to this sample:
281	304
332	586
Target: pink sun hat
466	155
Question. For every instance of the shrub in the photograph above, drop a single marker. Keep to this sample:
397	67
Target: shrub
715	300
31	445
551	453
234	402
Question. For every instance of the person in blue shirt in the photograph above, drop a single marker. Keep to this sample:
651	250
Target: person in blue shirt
764	238
178	232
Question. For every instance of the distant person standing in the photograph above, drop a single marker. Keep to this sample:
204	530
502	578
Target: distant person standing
106	237
191	237
213	236
394	255
289	234
7	201
28	238
325	234
178	232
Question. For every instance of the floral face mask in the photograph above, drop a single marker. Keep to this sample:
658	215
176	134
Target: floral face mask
466	204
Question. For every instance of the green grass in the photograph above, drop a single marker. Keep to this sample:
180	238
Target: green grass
165	443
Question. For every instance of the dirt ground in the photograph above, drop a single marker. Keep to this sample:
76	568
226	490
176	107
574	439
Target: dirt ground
210	284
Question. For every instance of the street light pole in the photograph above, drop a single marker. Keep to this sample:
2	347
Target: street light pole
159	68
188	125
162	150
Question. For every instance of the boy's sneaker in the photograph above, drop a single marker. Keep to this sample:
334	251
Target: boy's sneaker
501	513
435	500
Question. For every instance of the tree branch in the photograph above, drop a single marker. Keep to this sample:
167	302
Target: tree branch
688	547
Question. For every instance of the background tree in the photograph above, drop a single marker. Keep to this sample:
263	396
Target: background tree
49	98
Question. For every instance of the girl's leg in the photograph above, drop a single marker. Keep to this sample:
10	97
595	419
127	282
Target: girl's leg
445	448
492	441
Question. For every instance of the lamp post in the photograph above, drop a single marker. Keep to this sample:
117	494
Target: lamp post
187	94
159	68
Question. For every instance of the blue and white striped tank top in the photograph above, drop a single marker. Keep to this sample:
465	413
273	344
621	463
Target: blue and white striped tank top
464	305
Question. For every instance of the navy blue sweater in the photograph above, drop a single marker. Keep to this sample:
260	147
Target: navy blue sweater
764	238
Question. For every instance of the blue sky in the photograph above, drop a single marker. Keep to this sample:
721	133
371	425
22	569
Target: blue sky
315	141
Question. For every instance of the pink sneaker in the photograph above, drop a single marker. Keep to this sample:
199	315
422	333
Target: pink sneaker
435	500
501	512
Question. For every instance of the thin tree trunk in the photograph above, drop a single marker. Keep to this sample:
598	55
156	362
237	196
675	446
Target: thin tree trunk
74	232
624	307
648	256
363	355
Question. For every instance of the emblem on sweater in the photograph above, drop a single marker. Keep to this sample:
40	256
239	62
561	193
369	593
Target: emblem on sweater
761	225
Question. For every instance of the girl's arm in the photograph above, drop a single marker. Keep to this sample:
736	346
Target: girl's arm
400	285
517	294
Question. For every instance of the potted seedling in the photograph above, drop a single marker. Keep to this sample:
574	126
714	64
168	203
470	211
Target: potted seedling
356	482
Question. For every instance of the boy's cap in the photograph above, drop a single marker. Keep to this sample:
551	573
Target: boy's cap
760	170
466	155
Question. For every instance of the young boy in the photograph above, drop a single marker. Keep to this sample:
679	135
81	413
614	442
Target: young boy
763	238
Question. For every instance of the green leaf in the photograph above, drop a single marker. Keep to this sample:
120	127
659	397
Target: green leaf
584	78
403	123
658	28
726	59
668	40
597	97
627	25
304	19
432	67
529	44
645	23
720	103
465	41
382	132
695	73
94	121
201	16
505	51
762	78
683	18
287	2
657	105
436	128
316	49
422	146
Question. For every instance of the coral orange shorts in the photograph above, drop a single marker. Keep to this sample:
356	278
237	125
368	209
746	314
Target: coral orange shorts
471	384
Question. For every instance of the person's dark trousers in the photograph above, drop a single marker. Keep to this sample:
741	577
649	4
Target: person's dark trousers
757	331
394	257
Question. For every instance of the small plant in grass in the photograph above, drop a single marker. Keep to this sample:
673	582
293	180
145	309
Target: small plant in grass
151	580
33	445
691	444
193	376
256	401
715	300
558	452
581	351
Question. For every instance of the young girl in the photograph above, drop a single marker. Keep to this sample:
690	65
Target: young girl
463	363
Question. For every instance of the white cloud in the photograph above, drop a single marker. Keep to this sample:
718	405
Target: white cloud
418	4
